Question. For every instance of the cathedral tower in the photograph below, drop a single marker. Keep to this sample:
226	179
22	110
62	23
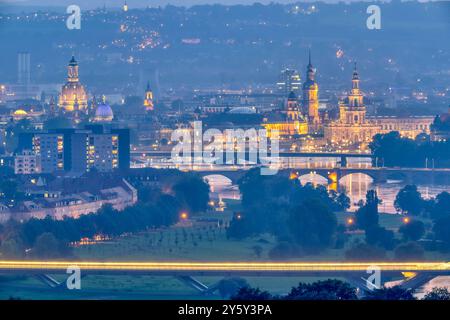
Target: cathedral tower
311	97
148	101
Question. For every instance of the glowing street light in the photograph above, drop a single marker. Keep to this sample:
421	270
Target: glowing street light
350	221
406	220
184	216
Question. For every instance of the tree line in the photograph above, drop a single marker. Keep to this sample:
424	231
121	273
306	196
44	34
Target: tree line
49	237
393	150
300	216
333	289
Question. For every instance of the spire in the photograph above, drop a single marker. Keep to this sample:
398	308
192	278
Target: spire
73	62
355	80
310	72
309	58
355	73
148	87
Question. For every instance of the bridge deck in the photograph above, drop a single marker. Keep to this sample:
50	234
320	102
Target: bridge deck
219	268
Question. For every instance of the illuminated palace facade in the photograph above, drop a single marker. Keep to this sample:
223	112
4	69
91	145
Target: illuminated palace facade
354	128
73	97
289	122
295	119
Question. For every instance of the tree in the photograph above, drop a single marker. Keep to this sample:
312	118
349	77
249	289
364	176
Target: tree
394	293
409	200
284	250
441	229
379	236
193	192
413	230
367	215
410	251
365	252
258	250
441	206
230	286
312	225
330	289
437	294
250	294
343	201
46	246
12	248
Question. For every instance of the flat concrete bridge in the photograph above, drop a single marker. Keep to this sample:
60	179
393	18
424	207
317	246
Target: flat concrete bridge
415	274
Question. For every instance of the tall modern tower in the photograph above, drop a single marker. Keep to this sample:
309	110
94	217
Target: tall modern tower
289	81
23	68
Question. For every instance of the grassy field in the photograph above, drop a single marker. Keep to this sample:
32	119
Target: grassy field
196	242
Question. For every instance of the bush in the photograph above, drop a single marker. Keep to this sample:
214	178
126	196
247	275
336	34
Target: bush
410	251
365	252
284	250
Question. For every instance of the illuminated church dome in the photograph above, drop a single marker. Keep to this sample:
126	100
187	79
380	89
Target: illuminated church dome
73	94
103	113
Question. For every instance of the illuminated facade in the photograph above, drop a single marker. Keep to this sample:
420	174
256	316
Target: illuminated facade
353	128
73	97
311	99
291	123
148	101
289	81
80	150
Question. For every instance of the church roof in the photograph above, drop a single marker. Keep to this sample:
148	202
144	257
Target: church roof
104	112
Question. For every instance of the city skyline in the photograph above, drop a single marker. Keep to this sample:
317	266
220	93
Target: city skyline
225	152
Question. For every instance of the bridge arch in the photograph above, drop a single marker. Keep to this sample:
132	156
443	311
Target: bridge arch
217	180
314	178
349	175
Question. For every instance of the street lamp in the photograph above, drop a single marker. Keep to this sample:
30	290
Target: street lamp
184	216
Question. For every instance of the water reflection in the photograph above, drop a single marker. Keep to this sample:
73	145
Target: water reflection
356	186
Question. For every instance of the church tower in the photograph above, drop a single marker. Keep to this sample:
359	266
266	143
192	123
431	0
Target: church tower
148	101
311	97
354	112
293	111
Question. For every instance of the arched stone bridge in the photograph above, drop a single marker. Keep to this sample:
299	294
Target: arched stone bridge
334	175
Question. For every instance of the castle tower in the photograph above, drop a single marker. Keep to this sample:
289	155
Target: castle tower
148	100
311	97
293	111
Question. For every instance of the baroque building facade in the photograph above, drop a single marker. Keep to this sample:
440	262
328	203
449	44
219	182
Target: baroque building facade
289	122
73	97
354	128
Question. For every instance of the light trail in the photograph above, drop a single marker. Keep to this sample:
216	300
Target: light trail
206	267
